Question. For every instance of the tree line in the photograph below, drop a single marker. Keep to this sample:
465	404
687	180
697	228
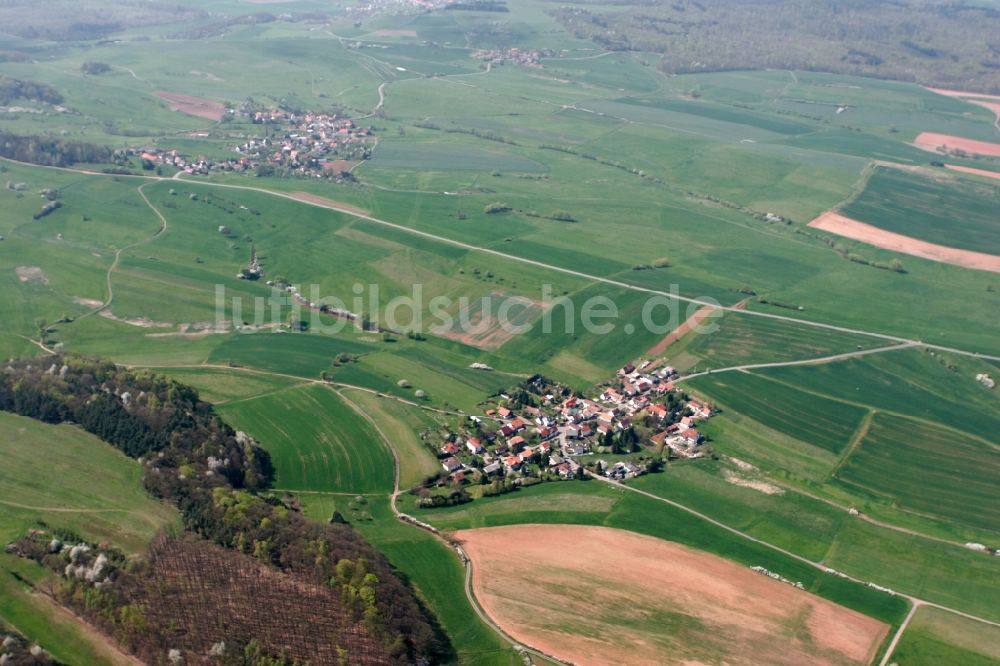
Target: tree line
52	151
215	476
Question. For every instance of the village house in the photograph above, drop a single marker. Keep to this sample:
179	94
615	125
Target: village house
621	471
452	464
474	446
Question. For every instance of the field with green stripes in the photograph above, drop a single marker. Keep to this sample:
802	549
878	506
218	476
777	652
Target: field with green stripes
316	441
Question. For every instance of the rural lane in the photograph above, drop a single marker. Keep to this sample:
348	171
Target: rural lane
914	601
540	264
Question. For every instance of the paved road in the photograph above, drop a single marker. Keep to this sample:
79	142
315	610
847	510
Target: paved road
597	278
552	267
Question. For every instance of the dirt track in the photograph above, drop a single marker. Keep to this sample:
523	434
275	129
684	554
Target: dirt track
596	595
323	201
888	240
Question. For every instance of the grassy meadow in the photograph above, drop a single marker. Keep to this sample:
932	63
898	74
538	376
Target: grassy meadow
603	167
316	441
62	477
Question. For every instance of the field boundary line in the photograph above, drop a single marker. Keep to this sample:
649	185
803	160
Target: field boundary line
881	410
899	633
603	280
560	269
856	439
821	360
816	565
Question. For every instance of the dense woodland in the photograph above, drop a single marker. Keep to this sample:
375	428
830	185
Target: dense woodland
52	151
76	20
213	474
13	89
931	42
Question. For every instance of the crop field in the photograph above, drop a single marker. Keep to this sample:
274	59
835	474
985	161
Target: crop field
593	503
587	174
936	637
918	384
403	426
71	479
622	613
743	340
928	469
823	422
445	157
956	212
316	441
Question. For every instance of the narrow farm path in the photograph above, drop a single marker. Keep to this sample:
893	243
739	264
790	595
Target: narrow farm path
466	561
816	565
899	633
809	361
569	271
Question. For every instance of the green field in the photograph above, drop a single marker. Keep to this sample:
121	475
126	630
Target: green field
936	637
741	340
954	211
316	441
822	422
62	477
594	503
70	479
927	469
606	166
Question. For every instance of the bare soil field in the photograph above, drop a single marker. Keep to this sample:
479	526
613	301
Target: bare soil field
31	274
479	325
689	324
596	595
944	143
395	33
888	240
193	106
976	172
327	203
336	166
961	94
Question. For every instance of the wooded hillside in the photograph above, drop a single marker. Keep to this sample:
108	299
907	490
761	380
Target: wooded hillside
931	42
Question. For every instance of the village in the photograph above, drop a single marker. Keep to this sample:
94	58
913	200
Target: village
299	143
544	431
515	56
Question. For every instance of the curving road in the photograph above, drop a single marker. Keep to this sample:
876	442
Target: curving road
558	269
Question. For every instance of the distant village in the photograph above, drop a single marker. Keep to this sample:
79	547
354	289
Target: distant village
515	56
305	144
544	431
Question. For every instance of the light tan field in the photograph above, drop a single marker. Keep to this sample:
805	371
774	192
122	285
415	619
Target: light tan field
193	106
961	94
395	33
326	203
944	143
596	595
976	172
888	240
